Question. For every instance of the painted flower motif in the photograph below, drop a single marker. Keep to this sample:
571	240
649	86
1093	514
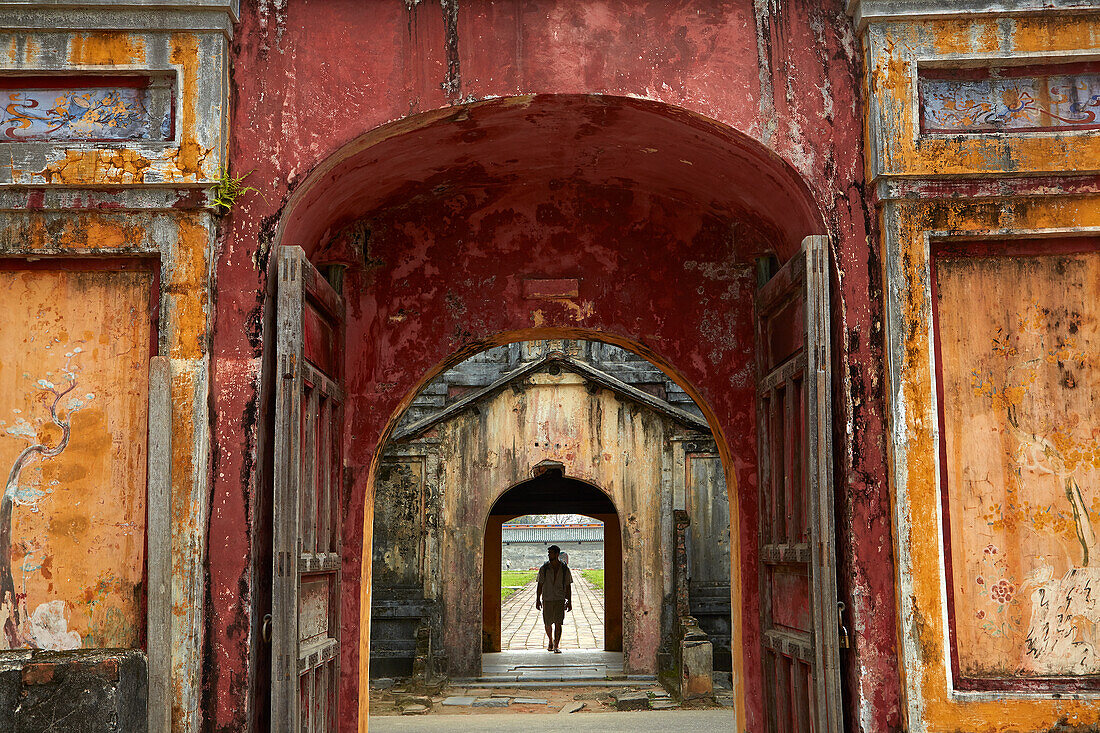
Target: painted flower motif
979	580
1002	591
990	550
980	614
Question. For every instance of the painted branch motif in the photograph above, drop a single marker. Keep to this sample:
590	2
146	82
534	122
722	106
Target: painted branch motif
1043	441
46	626
1044	444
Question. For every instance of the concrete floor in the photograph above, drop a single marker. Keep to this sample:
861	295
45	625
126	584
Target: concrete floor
680	721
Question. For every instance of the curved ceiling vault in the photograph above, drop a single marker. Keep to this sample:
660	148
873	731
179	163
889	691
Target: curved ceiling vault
535	141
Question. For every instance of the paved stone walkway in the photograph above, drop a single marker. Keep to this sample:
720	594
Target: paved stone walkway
521	623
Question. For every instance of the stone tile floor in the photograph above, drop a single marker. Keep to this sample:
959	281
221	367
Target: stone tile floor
535	666
521	623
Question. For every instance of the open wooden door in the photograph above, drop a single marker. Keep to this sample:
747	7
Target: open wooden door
798	596
308	477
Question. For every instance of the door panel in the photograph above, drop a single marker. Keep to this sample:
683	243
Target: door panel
308	475
797	556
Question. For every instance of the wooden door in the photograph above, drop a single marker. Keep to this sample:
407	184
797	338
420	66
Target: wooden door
798	595
308	477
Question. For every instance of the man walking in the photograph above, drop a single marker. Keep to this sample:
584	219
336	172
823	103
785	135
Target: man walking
554	595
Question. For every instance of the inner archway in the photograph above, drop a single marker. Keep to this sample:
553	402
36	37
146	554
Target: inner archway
554	426
552	493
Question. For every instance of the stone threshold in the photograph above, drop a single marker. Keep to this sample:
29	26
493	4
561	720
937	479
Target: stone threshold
511	683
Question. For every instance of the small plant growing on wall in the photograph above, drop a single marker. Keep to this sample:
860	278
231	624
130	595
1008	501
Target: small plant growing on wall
229	189
61	404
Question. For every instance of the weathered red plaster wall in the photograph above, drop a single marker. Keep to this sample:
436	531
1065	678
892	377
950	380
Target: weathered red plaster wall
312	77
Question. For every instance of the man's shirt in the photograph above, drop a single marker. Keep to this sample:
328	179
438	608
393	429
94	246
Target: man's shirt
554	582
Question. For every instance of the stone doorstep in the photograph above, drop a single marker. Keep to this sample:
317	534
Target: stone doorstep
527	684
414	710
631	700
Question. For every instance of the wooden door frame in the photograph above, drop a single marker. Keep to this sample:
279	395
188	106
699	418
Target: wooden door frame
300	287
811	365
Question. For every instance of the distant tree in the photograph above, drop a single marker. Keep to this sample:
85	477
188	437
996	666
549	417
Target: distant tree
552	519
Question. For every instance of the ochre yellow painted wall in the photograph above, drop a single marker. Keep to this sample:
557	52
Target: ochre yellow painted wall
922	581
896	51
993	184
75	359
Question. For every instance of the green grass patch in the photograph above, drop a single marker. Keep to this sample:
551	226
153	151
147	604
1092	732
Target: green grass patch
595	577
516	578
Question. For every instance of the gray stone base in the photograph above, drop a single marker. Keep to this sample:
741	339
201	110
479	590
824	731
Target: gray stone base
103	690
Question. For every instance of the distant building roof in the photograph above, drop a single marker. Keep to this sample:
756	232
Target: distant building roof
568	363
550	533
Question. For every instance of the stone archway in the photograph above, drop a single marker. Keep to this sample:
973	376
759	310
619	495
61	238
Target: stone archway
575	216
551	492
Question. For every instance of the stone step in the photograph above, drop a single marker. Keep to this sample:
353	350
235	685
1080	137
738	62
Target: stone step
393	648
497	683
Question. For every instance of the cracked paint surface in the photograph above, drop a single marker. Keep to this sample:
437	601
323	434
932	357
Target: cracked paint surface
959	191
438	225
933	704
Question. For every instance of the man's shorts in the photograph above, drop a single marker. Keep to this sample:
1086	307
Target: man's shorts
553	612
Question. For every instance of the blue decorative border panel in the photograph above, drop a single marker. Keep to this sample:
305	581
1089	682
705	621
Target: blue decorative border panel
1017	99
85	109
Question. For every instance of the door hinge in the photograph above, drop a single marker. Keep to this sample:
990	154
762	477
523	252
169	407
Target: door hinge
288	366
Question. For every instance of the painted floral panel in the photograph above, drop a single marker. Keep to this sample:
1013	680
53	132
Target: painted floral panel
74	364
1015	104
1019	343
84	113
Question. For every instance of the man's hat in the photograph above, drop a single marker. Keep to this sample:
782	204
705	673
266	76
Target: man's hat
555	548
